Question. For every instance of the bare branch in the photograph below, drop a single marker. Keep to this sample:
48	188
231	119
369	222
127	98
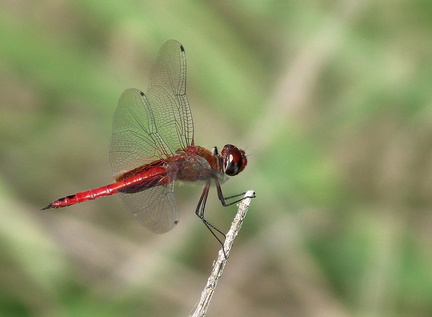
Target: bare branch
219	264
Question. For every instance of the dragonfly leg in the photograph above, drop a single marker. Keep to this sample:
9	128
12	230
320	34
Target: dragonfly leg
223	199
200	213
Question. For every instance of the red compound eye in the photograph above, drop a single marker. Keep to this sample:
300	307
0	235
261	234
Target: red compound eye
234	160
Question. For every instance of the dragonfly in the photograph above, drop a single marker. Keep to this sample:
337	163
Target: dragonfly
152	146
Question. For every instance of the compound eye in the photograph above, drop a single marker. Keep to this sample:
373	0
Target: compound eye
234	160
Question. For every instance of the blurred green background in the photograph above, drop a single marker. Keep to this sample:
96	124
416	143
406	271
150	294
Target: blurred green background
332	102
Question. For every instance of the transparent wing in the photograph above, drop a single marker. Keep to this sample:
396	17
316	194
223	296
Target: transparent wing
153	126
135	134
155	208
156	125
167	90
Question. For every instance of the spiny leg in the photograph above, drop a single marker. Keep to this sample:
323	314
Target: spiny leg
223	199
200	213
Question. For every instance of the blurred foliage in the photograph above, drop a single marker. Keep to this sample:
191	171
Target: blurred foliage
331	100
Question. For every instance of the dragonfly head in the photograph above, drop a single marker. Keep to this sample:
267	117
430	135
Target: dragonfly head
234	160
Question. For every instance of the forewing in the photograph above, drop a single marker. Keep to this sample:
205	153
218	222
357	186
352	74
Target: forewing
135	139
155	208
167	93
156	125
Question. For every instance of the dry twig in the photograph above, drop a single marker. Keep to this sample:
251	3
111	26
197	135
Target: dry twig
219	264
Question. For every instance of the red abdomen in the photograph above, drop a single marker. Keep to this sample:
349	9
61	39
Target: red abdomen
154	176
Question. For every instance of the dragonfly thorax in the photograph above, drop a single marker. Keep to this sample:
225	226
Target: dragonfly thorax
190	168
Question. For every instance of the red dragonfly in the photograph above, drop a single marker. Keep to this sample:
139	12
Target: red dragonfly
152	145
